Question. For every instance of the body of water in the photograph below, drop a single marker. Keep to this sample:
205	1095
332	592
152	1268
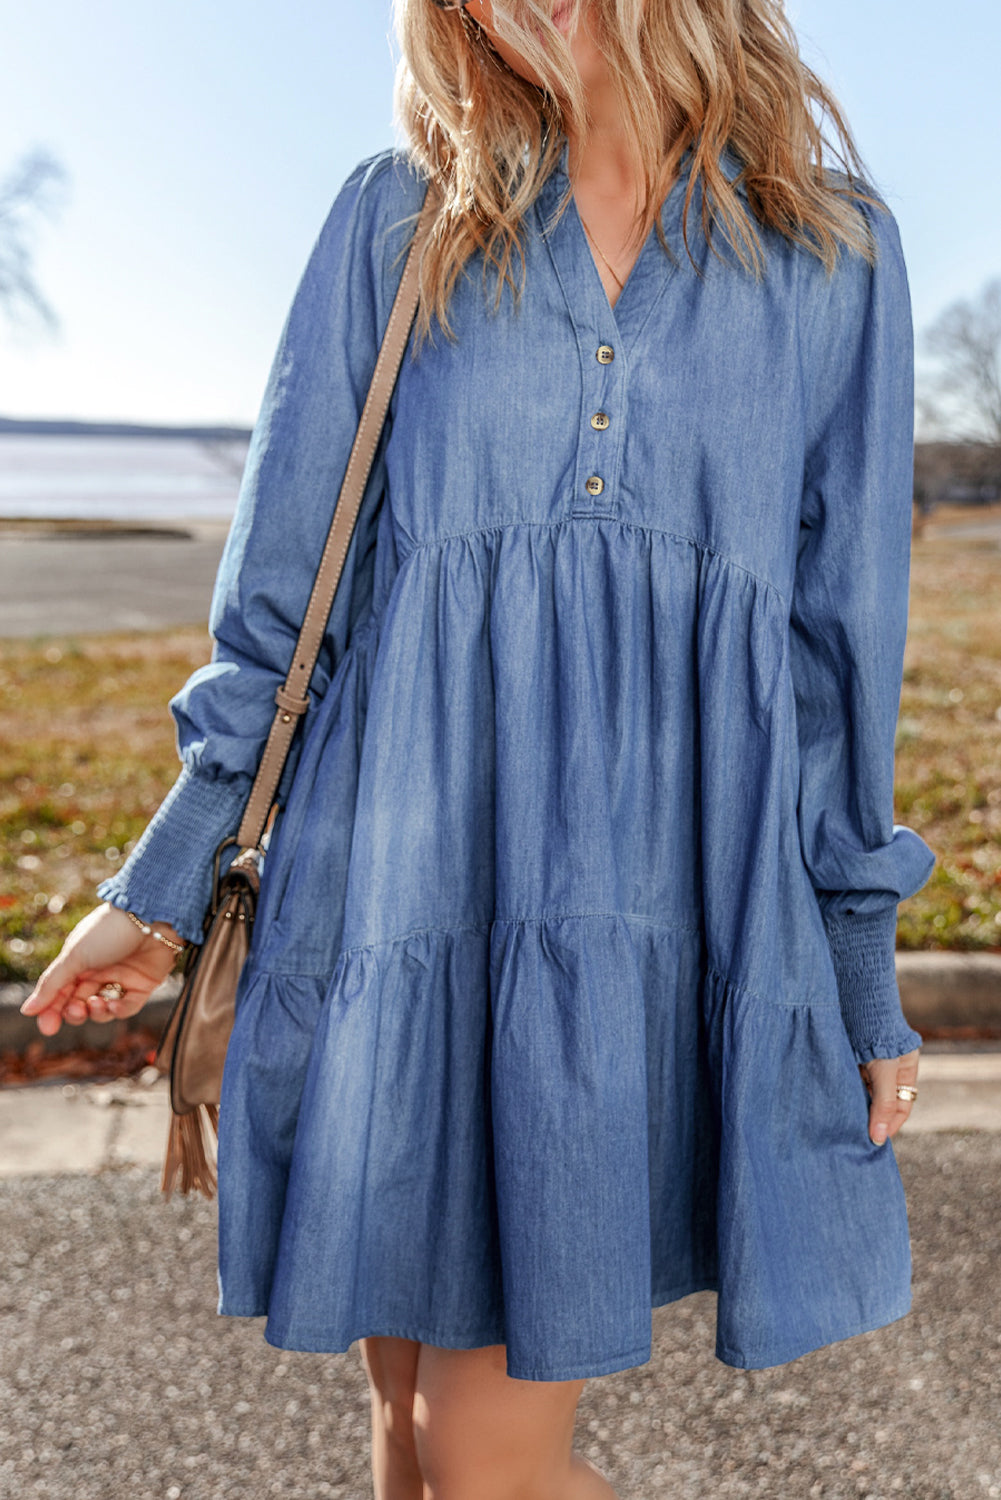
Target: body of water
119	478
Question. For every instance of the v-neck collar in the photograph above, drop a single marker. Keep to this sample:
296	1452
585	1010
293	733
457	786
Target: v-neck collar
577	268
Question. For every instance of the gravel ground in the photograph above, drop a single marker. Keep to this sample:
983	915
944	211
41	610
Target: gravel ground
118	1378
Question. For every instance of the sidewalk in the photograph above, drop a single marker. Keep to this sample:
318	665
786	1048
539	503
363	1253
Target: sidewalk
65	1128
89	1127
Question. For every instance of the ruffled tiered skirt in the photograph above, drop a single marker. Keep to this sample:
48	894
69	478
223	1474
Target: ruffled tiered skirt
521	1052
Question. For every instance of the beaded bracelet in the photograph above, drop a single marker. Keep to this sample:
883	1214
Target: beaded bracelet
147	929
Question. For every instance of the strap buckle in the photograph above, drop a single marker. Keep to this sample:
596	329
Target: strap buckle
291	706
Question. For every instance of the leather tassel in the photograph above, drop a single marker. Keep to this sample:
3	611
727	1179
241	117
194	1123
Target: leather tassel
186	1155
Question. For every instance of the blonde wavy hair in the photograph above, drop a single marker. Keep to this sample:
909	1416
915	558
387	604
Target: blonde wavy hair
704	74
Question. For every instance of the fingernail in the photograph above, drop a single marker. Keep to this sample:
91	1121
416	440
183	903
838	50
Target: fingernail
879	1135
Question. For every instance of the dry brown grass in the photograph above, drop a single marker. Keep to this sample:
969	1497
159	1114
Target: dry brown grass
948	783
87	756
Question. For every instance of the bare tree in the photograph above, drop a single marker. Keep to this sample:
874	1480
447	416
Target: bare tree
30	189
960	401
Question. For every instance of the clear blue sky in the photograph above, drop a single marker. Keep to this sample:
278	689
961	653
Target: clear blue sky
204	144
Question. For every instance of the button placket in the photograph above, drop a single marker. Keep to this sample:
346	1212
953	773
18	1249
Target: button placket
601	431
603	366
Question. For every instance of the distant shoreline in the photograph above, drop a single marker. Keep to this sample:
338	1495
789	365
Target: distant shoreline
100	528
49	427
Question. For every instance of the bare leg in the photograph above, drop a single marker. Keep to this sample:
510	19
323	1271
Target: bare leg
391	1366
480	1435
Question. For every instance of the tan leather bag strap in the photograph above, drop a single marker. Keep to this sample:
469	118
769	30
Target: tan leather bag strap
292	699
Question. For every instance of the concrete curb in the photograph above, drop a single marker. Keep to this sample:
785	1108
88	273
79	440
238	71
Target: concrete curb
18	1031
950	988
937	990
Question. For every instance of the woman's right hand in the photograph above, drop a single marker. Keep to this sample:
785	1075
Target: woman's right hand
104	947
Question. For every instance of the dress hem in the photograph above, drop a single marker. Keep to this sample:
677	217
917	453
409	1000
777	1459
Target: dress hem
760	1358
318	1342
763	1359
583	1370
665	1297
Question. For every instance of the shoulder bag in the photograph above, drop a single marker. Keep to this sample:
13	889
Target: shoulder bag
192	1048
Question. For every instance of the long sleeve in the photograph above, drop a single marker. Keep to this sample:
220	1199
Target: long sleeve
295	464
849	623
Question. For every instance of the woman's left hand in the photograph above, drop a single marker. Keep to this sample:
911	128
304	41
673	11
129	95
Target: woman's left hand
882	1076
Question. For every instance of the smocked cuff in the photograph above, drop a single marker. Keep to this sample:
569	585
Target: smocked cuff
862	948
168	875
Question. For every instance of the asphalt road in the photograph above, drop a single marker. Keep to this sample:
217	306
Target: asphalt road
118	1378
77	584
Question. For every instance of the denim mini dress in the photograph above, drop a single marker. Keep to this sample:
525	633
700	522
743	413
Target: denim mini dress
579	911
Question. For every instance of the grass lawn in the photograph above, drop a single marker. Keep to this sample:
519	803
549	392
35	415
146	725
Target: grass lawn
87	754
948	763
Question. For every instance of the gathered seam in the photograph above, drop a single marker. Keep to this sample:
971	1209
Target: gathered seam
713	972
480	927
630	524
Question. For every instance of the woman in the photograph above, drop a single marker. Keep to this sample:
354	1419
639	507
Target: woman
572	987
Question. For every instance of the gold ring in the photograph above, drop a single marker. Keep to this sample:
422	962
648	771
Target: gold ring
906	1092
112	990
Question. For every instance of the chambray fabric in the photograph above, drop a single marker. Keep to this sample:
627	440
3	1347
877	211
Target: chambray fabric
580	909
